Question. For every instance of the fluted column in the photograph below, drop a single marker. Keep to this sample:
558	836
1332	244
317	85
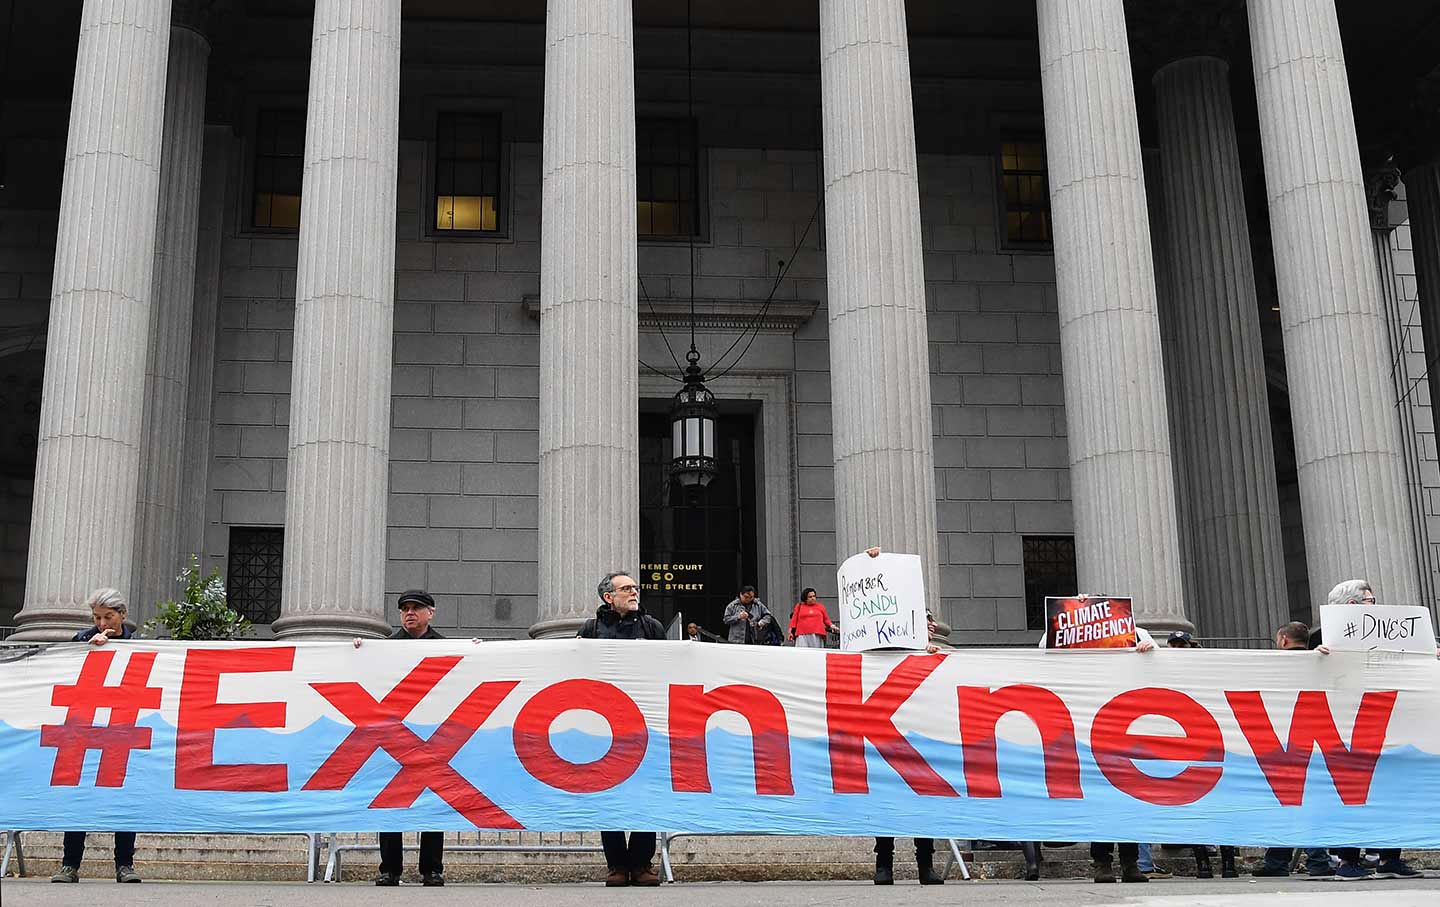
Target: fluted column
1122	482
199	399
157	543
879	355
589	454
1220	405
1347	439
82	527
344	308
1422	201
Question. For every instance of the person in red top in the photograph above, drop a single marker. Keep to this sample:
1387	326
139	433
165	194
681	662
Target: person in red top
809	623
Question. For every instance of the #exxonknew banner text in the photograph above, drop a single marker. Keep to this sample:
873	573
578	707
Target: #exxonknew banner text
1281	748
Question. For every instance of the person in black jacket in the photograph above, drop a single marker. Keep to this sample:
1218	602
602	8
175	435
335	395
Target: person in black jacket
108	608
417	609
619	617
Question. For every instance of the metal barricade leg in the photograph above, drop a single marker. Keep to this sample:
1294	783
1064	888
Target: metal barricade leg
312	855
10	839
332	866
957	858
665	856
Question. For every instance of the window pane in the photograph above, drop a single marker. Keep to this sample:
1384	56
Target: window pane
467	171
279	168
666	177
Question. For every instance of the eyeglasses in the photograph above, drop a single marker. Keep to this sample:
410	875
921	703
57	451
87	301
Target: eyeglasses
631	588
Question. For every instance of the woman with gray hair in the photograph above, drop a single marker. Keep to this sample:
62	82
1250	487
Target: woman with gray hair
108	608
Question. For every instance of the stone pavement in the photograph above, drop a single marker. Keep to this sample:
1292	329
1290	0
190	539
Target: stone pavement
1169	893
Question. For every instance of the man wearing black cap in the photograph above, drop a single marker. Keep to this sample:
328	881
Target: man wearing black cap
417	609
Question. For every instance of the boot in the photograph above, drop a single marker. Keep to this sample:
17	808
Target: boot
1227	863
1202	863
885	869
1130	872
925	864
1031	849
1104	871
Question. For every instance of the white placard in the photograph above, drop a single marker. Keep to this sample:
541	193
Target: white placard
882	603
1393	628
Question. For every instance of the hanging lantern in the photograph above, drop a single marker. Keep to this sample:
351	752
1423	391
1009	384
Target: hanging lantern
692	429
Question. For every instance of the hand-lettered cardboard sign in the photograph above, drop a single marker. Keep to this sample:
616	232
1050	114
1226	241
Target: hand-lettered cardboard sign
882	603
1096	622
1392	628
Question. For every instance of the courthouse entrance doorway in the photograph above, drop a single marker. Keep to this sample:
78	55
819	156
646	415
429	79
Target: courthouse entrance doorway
697	546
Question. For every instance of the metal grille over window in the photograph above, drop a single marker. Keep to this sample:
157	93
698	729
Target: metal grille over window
666	177
467	172
279	168
257	558
1049	570
1026	192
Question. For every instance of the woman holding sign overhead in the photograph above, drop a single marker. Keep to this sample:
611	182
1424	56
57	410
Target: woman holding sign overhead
809	622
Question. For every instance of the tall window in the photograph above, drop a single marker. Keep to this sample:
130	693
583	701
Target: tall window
1049	570
1026	192
257	560
467	172
279	167
667	178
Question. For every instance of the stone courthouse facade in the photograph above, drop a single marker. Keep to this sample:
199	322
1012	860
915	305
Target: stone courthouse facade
353	296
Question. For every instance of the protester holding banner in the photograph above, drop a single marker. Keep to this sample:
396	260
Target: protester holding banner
417	609
810	624
1352	867
747	618
109	609
619	617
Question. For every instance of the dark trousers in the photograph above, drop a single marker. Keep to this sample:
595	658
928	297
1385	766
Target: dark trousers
1352	854
75	848
1101	851
630	858
924	847
392	852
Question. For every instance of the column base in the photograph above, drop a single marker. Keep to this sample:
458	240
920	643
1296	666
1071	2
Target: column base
50	625
557	628
322	626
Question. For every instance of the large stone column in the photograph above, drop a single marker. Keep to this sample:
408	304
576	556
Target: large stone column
82	527
157	543
1220	405
879	355
1347	439
199	400
1422	201
339	463
589	406
1122	482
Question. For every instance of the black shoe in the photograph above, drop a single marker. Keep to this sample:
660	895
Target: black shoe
926	867
884	870
1105	871
1271	872
387	880
1130	872
432	879
126	874
1203	870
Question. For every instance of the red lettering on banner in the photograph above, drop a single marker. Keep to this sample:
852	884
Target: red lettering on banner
1116	749
853	719
78	735
201	715
1312	724
981	710
423	763
690	711
629	737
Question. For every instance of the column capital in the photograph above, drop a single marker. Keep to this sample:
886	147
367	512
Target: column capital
1381	181
1162	31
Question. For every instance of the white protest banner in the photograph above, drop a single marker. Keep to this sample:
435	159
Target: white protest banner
261	737
882	603
1392	628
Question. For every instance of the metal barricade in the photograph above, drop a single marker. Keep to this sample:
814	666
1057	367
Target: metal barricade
486	842
667	836
13	846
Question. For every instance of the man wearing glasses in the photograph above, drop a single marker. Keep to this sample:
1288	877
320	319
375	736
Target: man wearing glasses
619	617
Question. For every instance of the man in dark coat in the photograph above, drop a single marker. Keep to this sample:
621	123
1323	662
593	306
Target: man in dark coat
619	617
417	609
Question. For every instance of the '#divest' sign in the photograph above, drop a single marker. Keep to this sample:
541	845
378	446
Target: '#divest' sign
1279	748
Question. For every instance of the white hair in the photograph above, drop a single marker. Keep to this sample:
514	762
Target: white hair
107	598
1349	592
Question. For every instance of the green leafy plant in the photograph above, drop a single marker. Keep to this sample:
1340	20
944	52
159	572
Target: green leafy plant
202	613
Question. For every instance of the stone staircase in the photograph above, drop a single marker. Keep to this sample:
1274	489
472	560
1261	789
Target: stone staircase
281	858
